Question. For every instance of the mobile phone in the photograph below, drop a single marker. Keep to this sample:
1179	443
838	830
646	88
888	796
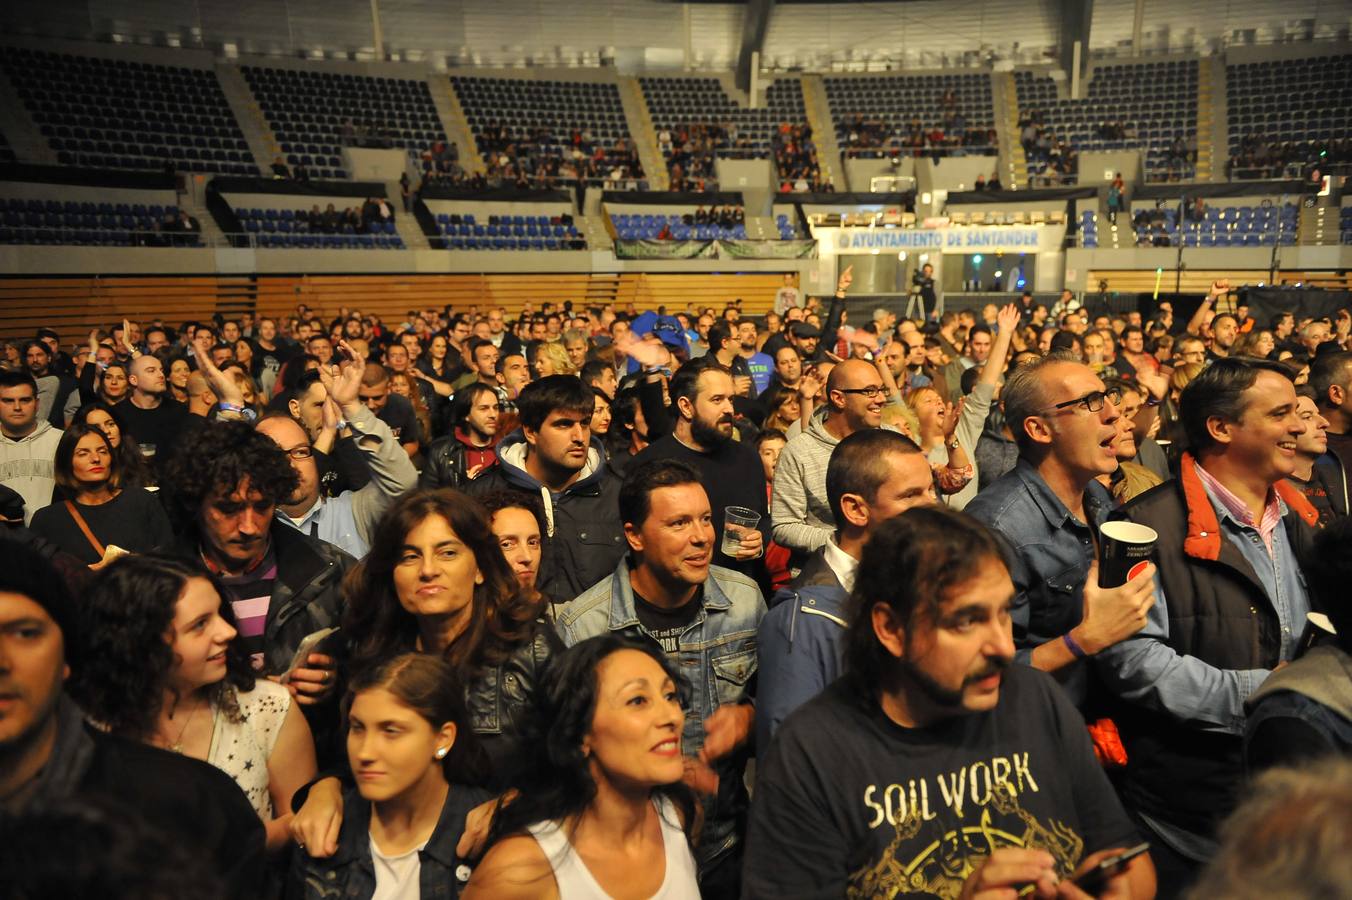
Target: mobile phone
1094	880
307	646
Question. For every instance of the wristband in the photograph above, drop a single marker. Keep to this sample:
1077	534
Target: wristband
1075	649
1153	402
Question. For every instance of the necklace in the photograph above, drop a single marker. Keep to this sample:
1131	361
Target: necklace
177	745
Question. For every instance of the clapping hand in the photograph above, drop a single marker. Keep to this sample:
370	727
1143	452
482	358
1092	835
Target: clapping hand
344	386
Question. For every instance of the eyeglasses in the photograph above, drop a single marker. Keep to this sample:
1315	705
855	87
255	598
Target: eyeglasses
1093	401
873	390
300	453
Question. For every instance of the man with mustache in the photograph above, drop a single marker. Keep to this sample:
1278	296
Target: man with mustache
704	617
554	457
702	435
1049	510
933	766
222	492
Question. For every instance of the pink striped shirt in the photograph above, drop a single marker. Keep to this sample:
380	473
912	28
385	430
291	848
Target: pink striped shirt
1272	512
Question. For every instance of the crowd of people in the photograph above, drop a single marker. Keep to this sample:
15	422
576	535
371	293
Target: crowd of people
871	136
1052	161
598	602
1257	157
369	218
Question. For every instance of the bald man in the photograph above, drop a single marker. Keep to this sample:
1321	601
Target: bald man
800	513
153	418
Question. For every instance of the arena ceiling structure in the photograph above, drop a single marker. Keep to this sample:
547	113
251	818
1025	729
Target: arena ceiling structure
789	35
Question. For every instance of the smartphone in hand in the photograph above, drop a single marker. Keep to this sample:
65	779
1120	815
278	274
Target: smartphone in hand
308	645
1095	879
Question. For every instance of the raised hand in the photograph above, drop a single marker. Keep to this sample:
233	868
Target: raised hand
846	279
225	388
344	387
1007	319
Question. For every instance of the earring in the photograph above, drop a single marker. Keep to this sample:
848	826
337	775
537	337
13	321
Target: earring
441	754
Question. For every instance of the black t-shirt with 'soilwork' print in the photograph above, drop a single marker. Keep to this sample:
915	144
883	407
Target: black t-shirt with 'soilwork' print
850	804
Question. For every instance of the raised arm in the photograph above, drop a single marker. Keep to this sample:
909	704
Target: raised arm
1218	289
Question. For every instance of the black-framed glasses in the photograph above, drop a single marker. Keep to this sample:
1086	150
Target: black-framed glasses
873	390
301	452
1092	401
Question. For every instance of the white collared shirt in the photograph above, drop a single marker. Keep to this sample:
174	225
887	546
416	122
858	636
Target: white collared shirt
844	566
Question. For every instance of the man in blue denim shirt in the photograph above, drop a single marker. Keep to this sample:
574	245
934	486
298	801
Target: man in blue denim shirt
705	618
1049	509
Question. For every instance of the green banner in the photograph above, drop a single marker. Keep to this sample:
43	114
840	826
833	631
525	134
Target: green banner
716	249
666	250
768	249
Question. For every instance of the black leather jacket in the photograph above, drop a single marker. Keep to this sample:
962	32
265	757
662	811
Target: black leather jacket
499	701
499	704
444	464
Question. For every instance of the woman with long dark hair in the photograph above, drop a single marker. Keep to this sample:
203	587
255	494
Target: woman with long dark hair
99	510
160	665
416	764
782	408
435	581
134	471
601	809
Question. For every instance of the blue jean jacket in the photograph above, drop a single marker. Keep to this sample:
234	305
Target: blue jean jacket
717	655
1050	551
350	874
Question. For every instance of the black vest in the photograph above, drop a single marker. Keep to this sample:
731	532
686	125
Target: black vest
1220	613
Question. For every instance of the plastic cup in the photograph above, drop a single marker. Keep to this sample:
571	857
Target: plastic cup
736	520
1126	549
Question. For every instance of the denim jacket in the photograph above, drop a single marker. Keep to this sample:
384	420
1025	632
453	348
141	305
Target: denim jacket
350	874
1049	554
718	656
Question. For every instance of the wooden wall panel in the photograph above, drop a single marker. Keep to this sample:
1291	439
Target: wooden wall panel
75	306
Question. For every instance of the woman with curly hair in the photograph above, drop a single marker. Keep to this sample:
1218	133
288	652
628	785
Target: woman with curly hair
161	665
601	810
436	582
551	359
99	510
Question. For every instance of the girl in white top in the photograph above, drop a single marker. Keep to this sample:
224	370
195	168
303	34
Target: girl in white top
163	668
602	813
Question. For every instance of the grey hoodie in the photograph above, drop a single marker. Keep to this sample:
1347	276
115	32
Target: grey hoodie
799	512
26	466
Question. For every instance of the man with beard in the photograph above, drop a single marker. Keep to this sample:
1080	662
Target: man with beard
58	395
934	766
470	449
731	472
756	363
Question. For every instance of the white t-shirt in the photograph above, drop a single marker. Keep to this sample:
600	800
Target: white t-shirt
397	876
